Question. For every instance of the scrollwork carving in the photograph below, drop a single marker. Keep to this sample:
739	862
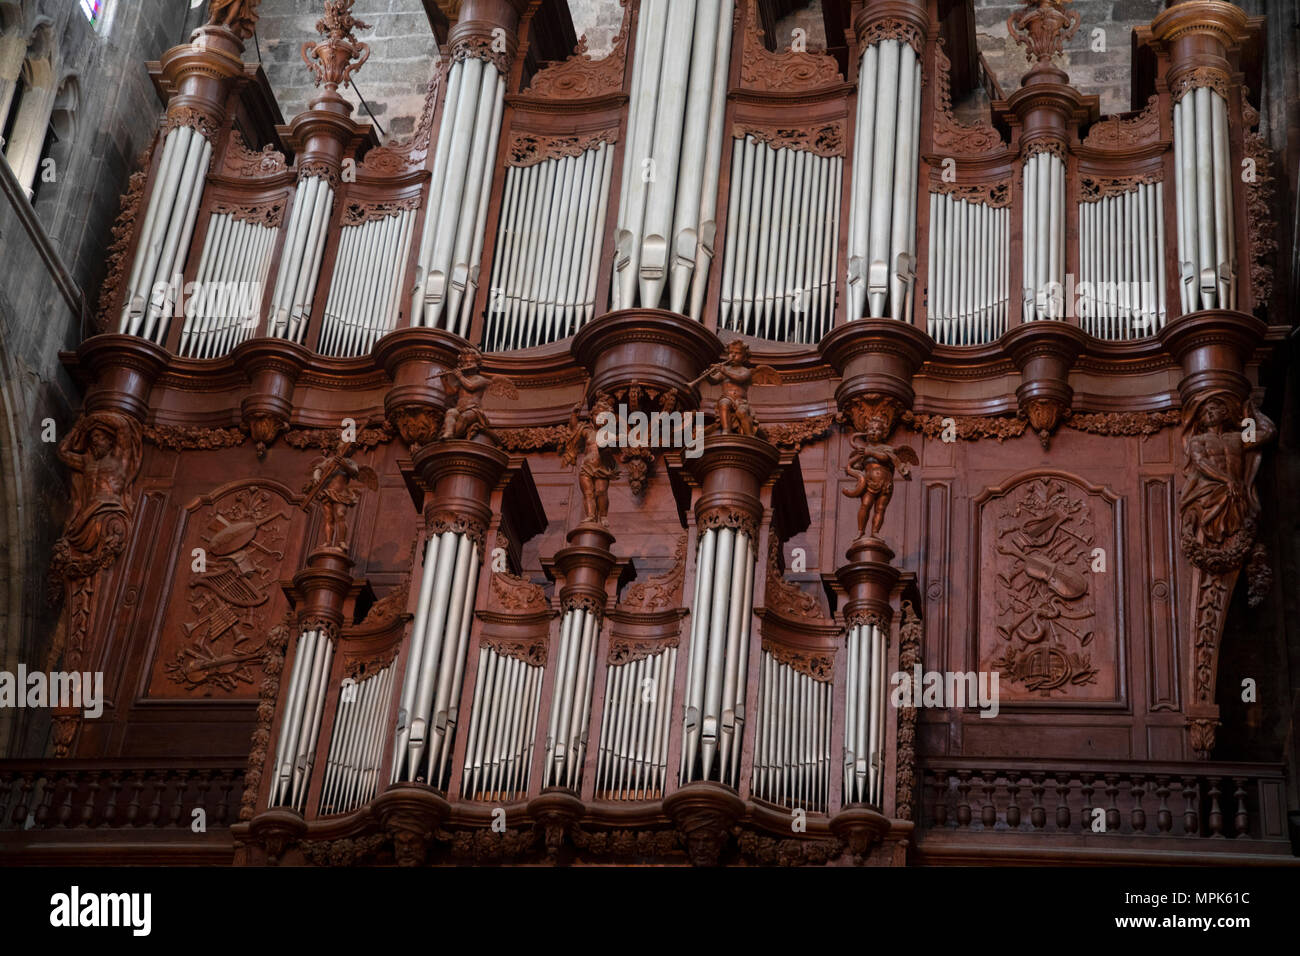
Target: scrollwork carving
661	591
243	162
1119	132
763	70
360	213
950	135
825	140
529	149
580	76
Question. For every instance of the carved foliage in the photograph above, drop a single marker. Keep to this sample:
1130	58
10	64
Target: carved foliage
580	76
993	194
661	592
269	214
818	666
1043	28
192	438
1120	132
950	135
529	149
243	162
1093	188
277	641
359	213
909	655
799	433
782	596
763	70
825	140
1260	217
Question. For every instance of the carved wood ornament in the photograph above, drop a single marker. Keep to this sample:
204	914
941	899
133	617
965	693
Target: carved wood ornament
787	72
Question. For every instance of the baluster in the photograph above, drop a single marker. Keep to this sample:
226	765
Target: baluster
133	808
47	797
1138	817
988	812
1062	801
1215	818
1013	800
1191	818
223	808
92	797
154	813
178	802
1164	816
1112	812
1037	814
942	783
1240	822
22	805
963	799
69	791
110	806
202	782
1089	814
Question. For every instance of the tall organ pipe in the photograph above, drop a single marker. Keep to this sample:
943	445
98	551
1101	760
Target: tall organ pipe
968	271
295	750
295	285
882	241
865	712
1121	263
1203	185
665	227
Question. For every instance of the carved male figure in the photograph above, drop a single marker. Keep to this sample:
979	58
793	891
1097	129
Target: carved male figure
1219	498
736	375
598	466
334	480
469	384
873	463
238	16
104	452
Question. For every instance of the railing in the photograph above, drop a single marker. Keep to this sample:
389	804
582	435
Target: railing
118	794
1166	801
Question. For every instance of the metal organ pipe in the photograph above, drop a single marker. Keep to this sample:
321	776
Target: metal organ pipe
575	671
778	269
427	714
632	761
1121	264
295	286
882	234
716	673
967	303
295	750
503	726
356	743
1204	186
1043	236
665	228
548	241
452	240
865	713
362	303
232	272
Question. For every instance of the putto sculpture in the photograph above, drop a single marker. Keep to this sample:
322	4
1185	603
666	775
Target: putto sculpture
334	481
872	464
237	16
469	384
736	374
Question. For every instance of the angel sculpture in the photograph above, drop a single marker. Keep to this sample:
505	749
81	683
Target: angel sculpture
238	16
468	383
333	480
736	375
598	466
872	464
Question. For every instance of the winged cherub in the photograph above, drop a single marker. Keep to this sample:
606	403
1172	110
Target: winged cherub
334	478
872	463
736	375
469	383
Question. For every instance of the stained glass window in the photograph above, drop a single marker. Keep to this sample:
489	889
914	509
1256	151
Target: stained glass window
92	10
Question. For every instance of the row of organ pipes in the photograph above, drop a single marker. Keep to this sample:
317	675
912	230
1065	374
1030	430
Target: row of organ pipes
778	274
781	275
792	738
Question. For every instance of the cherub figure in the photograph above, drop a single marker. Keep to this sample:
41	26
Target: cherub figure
334	479
872	463
598	466
1219	497
468	383
736	375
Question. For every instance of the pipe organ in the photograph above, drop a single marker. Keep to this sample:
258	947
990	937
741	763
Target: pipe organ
1207	255
804	252
543	282
967	302
304	246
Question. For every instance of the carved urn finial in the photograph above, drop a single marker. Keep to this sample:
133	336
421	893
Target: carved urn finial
334	59
1043	28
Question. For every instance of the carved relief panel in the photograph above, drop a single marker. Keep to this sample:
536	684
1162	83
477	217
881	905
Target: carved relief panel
1047	590
225	594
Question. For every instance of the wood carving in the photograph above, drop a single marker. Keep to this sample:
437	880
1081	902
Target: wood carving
517	593
1043	28
469	384
334	480
1261	224
123	232
1045	610
736	375
1116	424
579	76
951	136
1197	77
996	195
321	170
190	438
360	213
786	598
1094	188
765	850
909	656
536	438
237	16
530	652
1219	505
872	465
333	60
785	72
399	157
825	140
268	214
661	592
892	28
796	435
529	149
277	642
820	667
229	592
370	436
968	427
1125	133
243	162
597	467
